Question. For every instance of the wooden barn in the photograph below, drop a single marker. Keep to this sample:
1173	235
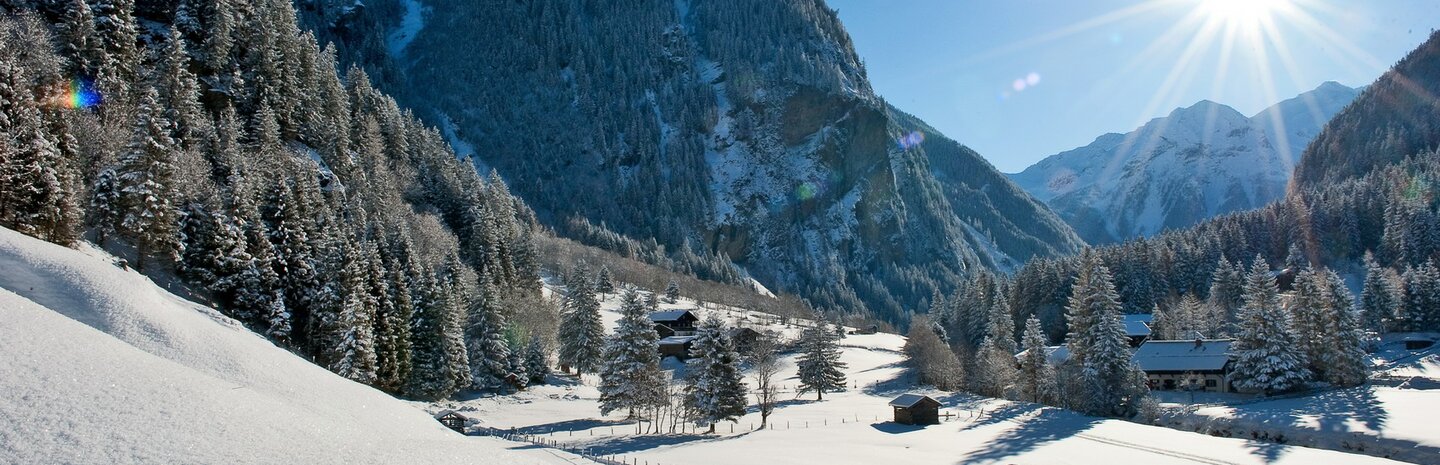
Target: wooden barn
676	346
674	322
453	420
1418	342
916	409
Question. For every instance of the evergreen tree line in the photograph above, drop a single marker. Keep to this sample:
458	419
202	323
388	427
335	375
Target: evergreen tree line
1280	344
215	140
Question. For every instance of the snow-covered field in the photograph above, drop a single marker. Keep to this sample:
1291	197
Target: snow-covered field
1392	416
100	366
853	427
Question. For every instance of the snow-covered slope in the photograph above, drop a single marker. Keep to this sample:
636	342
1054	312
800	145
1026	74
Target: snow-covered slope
100	366
1196	163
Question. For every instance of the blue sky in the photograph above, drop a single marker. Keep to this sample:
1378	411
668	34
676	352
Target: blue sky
1090	67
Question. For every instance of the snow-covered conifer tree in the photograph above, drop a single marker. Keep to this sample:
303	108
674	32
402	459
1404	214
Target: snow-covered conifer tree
630	375
485	337
537	361
604	283
714	390
1104	378
1379	296
581	334
1267	358
1035	381
1310	316
1344	358
36	182
672	292
1226	296
820	368
995	360
146	184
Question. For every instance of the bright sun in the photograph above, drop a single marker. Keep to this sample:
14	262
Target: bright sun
1247	13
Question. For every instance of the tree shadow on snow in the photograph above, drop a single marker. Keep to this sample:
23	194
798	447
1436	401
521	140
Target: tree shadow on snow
1331	412
631	444
1006	412
901	384
1268	451
1048	426
891	427
572	425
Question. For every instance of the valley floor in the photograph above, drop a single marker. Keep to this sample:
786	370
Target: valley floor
854	427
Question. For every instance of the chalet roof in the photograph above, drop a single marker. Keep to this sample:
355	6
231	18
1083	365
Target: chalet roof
446	413
677	340
1179	356
1138	324
671	315
1055	355
910	400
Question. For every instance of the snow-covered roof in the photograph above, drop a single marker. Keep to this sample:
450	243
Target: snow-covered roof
1055	355
676	340
1138	324
671	315
909	400
1180	356
447	412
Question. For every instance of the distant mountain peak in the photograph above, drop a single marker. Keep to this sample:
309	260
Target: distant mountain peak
1197	162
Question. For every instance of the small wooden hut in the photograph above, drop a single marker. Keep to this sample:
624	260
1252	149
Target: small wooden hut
453	420
916	409
743	338
1418	342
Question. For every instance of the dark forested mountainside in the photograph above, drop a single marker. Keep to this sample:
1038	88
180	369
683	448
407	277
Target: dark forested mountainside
1396	117
741	131
997	210
215	140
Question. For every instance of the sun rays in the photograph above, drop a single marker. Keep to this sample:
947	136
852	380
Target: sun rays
1231	44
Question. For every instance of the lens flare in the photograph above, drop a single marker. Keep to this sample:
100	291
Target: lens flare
805	191
76	94
911	140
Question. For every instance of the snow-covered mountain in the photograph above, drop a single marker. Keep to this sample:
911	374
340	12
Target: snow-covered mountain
741	129
1195	163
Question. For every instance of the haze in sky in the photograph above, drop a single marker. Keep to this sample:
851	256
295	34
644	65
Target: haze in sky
1018	80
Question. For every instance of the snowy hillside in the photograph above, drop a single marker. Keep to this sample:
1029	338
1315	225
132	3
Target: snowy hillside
100	366
1196	163
854	427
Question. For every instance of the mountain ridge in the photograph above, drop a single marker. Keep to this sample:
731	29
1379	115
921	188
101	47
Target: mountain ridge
1195	163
